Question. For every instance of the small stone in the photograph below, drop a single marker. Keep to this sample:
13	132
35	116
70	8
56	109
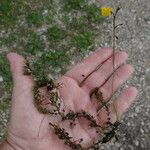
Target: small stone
142	131
142	123
1	79
136	143
128	123
137	109
45	12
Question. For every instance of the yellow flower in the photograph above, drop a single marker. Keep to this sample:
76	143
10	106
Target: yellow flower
106	11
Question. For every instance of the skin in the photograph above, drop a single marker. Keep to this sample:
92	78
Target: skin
30	130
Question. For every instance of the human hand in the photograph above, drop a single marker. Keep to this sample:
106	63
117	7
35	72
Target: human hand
29	129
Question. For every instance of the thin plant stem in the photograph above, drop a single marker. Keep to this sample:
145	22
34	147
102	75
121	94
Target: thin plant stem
113	59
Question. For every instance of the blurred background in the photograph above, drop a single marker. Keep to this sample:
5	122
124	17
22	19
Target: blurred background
54	34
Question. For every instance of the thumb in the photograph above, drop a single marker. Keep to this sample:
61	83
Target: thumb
22	83
24	117
16	64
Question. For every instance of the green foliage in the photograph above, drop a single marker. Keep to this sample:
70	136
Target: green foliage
79	24
6	14
5	104
78	34
8	41
55	63
51	57
5	72
74	4
34	43
93	13
84	40
49	18
35	18
9	13
55	34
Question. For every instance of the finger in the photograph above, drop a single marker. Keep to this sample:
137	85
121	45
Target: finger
84	68
120	77
122	103
17	63
22	84
101	75
22	97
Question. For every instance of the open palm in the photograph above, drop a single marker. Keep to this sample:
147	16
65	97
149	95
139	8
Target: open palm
28	129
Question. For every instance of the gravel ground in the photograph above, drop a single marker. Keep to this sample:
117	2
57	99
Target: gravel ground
134	37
